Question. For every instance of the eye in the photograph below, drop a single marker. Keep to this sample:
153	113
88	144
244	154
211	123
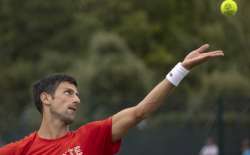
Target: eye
68	92
77	94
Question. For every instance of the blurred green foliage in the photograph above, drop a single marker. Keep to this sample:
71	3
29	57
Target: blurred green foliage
119	50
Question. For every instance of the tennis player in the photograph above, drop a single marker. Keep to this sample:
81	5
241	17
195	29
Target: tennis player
57	98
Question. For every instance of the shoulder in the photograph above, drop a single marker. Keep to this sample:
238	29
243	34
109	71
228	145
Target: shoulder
104	125
100	132
17	146
98	124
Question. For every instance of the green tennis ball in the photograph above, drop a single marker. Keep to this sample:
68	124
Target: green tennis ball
228	7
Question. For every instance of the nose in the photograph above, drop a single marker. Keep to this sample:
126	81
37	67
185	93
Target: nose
77	99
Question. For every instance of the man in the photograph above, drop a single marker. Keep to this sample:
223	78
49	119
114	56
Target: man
210	148
245	147
57	98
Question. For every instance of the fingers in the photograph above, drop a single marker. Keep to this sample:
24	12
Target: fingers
214	54
203	48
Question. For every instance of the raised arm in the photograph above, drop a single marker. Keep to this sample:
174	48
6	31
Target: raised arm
130	117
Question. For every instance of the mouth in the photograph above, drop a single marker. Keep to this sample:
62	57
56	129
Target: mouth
72	108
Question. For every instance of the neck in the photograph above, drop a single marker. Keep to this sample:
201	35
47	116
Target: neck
52	128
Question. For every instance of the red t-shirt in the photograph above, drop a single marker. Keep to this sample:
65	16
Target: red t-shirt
91	139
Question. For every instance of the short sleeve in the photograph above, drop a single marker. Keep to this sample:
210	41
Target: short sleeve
99	134
115	146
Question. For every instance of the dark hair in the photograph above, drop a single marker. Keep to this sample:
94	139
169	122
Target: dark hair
49	85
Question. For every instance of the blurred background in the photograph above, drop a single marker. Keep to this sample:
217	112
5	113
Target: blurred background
118	50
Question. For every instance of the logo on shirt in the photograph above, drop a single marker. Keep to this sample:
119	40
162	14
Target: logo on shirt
74	151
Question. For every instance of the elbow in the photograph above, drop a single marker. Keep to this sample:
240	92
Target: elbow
141	113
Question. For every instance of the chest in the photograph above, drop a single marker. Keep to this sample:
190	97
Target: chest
76	146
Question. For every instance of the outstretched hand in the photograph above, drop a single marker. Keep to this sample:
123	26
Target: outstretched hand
199	56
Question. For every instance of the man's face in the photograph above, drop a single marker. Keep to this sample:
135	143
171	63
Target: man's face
64	103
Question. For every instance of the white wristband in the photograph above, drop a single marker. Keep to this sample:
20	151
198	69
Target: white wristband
177	74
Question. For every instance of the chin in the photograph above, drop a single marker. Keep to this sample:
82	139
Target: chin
68	119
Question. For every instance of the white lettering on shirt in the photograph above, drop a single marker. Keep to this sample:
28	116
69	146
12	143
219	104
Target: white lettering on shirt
74	151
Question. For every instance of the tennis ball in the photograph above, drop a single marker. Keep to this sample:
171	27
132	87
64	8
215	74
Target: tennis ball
228	7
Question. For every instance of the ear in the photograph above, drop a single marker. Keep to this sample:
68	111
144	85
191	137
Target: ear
45	98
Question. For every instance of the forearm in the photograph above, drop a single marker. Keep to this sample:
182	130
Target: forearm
129	117
157	96
154	99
